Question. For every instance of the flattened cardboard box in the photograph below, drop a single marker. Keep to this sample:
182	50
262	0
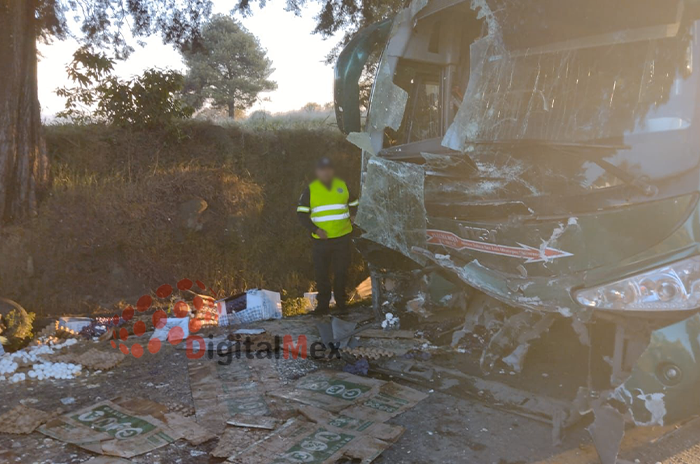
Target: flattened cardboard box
342	422
332	391
110	429
220	392
301	441
356	396
23	420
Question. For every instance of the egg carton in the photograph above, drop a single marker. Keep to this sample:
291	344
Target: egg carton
368	353
93	359
181	409
23	420
47	332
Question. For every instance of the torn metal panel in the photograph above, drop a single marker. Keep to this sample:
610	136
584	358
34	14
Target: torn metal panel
392	212
664	383
512	341
607	431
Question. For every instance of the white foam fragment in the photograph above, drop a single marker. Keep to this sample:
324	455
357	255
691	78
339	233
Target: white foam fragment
41	369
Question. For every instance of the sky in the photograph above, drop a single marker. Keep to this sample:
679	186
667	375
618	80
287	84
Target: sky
296	53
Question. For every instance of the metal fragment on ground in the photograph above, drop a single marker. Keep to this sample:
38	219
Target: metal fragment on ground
254	422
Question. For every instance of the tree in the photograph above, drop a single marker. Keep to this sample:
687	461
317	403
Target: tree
145	101
228	68
23	160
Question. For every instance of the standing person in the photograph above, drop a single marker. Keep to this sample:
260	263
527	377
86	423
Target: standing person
325	210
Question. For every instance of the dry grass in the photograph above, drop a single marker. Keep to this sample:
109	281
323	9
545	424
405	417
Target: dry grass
111	227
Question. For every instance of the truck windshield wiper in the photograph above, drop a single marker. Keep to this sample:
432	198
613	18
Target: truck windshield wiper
592	151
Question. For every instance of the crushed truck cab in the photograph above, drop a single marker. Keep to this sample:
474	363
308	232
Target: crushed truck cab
549	158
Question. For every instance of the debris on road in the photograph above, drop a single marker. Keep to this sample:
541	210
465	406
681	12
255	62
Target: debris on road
122	427
304	441
249	307
93	359
254	422
337	391
23	420
34	362
368	353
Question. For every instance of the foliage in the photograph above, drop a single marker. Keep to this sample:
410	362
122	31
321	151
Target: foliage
102	22
339	15
149	100
179	21
293	306
16	326
228	68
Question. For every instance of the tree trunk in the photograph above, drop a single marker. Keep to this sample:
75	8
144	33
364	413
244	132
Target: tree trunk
231	110
23	161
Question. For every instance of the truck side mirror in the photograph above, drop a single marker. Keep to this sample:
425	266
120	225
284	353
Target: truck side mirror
348	70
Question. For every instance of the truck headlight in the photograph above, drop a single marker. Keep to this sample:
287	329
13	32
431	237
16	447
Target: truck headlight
674	287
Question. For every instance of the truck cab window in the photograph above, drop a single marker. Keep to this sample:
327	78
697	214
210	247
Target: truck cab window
422	118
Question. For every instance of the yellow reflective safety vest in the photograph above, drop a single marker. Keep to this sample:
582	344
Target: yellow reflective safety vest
329	208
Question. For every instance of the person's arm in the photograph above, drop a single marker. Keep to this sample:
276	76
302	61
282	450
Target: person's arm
304	214
353	204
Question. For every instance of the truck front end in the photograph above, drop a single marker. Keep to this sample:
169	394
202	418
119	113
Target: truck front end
548	158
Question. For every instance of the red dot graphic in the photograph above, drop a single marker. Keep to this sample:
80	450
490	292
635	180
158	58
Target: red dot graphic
201	285
181	309
184	284
159	319
139	328
164	291
144	303
154	346
115	320
124	348
195	325
123	334
114	345
198	303
128	313
137	350
176	335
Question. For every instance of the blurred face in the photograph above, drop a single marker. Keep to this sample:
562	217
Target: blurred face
325	175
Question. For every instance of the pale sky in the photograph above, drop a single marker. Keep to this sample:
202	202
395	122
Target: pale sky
297	57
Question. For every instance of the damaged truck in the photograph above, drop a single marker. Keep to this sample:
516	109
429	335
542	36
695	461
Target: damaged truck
546	154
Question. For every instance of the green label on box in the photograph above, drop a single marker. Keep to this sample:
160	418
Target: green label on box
315	449
115	423
336	388
386	403
350	423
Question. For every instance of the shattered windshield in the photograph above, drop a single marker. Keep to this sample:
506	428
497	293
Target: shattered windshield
590	91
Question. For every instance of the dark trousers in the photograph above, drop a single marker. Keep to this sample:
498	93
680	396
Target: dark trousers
331	255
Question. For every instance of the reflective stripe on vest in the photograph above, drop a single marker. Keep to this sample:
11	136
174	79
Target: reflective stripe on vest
329	208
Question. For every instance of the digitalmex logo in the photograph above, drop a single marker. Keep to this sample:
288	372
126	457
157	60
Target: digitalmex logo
205	313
